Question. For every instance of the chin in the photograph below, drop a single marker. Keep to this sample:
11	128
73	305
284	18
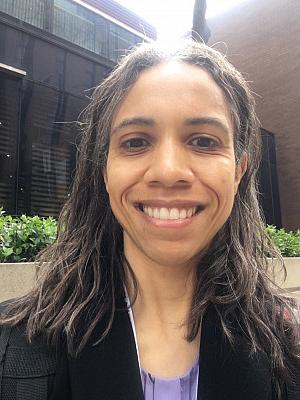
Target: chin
174	257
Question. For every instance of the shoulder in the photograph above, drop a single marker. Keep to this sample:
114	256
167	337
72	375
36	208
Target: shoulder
25	366
32	354
293	388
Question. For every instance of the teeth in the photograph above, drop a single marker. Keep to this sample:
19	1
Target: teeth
156	213
183	213
172	213
163	213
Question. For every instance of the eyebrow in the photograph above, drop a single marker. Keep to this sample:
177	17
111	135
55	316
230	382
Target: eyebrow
149	122
135	121
215	122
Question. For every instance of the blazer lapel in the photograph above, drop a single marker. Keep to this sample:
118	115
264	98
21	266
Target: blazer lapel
227	373
110	370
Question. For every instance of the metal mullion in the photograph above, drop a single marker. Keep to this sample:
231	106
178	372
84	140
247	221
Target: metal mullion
18	138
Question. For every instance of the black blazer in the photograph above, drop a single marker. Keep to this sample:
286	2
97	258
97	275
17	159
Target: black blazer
110	370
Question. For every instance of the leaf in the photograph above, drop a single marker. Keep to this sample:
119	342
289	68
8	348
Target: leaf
7	251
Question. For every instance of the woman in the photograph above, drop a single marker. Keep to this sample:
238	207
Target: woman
157	285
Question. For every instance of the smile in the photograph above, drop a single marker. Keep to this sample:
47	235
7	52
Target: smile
173	213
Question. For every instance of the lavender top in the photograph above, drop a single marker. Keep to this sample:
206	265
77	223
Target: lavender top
182	388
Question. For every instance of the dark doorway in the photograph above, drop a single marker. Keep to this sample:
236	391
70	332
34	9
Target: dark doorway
268	181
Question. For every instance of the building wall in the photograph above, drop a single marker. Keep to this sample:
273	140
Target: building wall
262	39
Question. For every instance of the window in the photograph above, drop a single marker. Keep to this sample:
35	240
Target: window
47	149
74	23
31	11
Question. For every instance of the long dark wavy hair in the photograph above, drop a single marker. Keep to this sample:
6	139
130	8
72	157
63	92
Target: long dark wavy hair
86	267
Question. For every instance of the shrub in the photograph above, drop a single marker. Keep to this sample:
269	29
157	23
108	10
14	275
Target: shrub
287	242
21	238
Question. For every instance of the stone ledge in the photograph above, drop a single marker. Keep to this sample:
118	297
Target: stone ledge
16	279
292	282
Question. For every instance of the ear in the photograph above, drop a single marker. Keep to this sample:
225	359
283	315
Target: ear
241	168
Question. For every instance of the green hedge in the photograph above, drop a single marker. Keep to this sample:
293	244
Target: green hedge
287	242
21	238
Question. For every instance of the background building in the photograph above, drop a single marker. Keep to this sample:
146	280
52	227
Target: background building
51	53
262	39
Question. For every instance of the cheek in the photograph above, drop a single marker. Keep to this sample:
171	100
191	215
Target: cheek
221	176
112	186
122	170
120	179
113	170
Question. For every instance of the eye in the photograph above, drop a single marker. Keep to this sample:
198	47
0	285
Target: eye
204	142
135	144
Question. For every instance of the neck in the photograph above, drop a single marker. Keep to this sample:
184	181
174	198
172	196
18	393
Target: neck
164	291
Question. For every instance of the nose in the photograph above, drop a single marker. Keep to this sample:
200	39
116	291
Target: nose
170	165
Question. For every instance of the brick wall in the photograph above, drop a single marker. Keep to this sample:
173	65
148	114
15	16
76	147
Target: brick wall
262	39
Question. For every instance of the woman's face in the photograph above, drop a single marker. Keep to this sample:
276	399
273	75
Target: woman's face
171	174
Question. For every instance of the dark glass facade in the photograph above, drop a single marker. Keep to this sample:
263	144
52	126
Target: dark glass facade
37	114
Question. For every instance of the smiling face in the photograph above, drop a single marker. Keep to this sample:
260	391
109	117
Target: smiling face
171	174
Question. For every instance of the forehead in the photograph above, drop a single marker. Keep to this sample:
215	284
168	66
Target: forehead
176	73
183	89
